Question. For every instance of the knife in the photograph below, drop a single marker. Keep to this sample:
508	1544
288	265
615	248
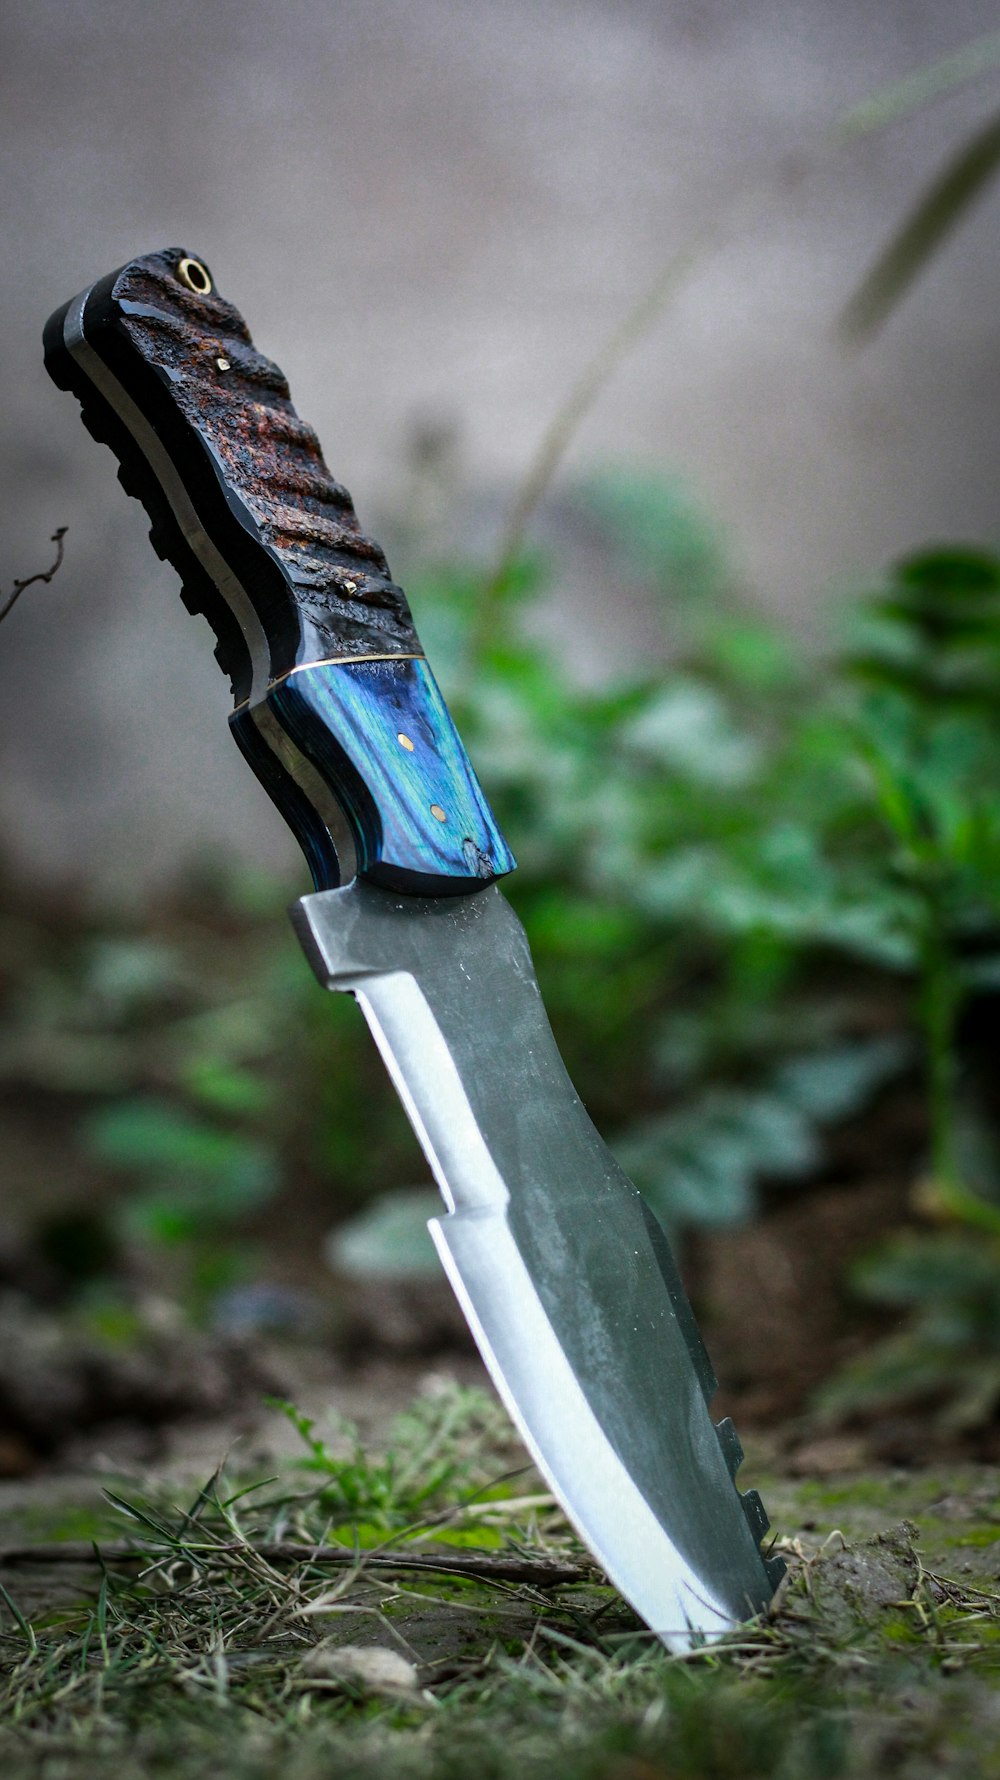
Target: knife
564	1275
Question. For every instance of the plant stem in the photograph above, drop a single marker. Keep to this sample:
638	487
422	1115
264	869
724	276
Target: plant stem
938	1008
939	1003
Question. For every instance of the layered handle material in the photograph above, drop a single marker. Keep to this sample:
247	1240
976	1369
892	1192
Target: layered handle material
336	710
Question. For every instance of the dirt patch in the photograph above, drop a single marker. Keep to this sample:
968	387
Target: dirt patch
773	1300
853	1587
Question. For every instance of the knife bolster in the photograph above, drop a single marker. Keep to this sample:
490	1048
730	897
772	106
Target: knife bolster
365	764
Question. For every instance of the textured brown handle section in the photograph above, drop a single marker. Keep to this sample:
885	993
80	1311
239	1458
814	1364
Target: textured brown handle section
269	460
358	749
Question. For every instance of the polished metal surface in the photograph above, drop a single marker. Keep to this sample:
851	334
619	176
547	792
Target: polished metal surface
566	1280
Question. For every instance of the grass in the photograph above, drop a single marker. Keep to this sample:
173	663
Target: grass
427	1612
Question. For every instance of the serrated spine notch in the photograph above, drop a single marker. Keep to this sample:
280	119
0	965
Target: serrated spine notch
732	1447
756	1514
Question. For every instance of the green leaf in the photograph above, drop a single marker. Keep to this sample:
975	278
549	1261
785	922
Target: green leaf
937	212
661	530
196	1174
700	1165
687	729
224	1087
833	1084
24	1625
154	1136
903	97
390	1239
753	656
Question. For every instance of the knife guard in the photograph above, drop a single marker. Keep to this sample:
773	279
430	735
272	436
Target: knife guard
336	709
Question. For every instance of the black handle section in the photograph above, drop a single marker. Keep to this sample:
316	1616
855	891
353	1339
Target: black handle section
267	543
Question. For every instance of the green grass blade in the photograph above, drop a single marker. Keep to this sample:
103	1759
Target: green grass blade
918	89
937	213
23	1625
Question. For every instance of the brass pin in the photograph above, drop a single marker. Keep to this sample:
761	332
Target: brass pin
196	276
405	742
438	812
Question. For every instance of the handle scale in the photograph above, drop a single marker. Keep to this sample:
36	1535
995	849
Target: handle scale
336	709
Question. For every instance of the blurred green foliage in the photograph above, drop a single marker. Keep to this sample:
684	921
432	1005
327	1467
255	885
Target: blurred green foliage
947	1351
759	886
434	1459
752	880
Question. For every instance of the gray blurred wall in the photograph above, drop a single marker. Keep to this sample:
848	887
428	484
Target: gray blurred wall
439	208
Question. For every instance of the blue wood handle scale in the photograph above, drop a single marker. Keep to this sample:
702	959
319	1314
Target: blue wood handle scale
337	710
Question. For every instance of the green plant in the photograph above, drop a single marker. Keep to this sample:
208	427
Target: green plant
947	1354
439	1454
694	841
758	887
927	732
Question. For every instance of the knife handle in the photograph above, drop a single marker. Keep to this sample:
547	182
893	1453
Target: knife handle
337	710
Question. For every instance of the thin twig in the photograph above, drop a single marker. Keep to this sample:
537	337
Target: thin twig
43	574
542	1572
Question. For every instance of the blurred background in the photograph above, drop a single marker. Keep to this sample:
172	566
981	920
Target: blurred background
659	344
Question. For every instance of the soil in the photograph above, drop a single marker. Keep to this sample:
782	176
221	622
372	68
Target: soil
770	1299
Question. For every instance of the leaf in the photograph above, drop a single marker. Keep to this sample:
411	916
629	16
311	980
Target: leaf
951	571
751	655
155	1137
903	97
936	213
389	1240
949	1282
687	728
197	1174
832	1084
921	1269
700	1165
225	1087
24	1625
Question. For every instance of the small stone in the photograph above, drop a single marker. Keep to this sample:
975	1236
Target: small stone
367	1668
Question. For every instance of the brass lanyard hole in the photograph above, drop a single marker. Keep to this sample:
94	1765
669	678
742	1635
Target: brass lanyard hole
196	276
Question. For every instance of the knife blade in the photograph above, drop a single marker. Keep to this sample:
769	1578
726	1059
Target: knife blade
565	1277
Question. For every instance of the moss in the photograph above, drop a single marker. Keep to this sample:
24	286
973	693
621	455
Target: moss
870	1664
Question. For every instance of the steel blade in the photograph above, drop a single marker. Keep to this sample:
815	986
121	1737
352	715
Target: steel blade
565	1277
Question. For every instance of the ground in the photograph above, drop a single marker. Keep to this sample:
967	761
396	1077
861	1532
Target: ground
200	1642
